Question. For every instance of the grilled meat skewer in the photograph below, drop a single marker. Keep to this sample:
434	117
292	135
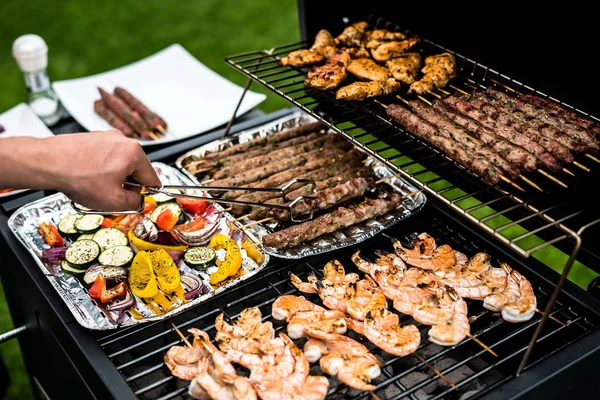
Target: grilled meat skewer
365	90
109	116
150	117
129	115
527	140
335	176
510	151
450	130
504	117
405	68
331	74
562	113
390	50
351	158
379	36
266	140
365	68
324	141
340	218
327	198
575	132
439	69
317	53
457	152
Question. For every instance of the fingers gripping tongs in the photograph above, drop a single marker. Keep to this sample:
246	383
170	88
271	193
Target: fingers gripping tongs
300	209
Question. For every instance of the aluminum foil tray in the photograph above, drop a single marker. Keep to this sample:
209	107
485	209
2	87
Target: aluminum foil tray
25	220
336	240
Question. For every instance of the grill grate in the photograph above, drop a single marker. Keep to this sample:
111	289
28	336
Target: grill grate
137	352
547	218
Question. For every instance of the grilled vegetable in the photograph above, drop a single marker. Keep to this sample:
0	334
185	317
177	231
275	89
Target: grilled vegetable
114	273
146	230
108	223
164	198
100	292
116	256
82	253
89	223
166	271
197	232
149	205
50	234
141	276
193	286
199	257
86	236
66	225
70	270
166	220
171	206
109	237
233	258
142	245
193	206
253	252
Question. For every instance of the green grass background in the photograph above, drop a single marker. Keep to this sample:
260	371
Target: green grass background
88	37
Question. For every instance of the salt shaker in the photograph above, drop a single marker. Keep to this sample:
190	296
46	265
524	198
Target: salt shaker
31	54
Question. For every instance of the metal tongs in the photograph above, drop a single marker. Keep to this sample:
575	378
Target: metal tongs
312	201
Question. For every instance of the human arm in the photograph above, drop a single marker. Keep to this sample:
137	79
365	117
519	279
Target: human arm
88	167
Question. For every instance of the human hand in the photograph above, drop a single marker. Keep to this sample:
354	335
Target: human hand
90	168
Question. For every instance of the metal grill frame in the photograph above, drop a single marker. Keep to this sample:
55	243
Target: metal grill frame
336	114
275	282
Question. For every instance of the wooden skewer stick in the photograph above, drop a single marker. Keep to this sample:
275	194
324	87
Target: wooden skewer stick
387	236
252	245
505	179
438	373
424	100
552	178
260	221
459	90
187	343
224	210
207	181
242	217
591	157
373	395
153	135
537	310
387	178
479	342
583	167
443	91
434	94
201	170
380	103
505	86
161	129
568	172
531	183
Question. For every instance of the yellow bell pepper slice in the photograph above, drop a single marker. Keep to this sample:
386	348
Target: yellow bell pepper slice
166	271
141	276
253	252
233	258
143	245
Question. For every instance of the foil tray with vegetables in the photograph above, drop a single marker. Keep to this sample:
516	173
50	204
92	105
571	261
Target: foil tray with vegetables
121	270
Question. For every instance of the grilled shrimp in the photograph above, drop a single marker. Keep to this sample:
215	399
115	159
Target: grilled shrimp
382	327
510	295
248	334
407	299
524	307
211	384
305	287
183	361
333	272
314	349
362	297
286	306
424	254
454	330
330	321
315	388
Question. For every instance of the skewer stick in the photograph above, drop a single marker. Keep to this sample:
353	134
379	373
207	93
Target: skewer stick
194	163
187	343
242	217
201	170
387	178
530	182
380	103
424	100
260	221
434	94
207	181
252	245
153	135
591	157
505	179
443	91
459	90
537	310
479	342
225	210
161	129
583	167
438	373
505	86
374	395
387	236
568	172
556	180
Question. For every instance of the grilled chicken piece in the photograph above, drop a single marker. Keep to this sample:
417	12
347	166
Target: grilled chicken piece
393	49
405	68
321	49
353	35
365	68
357	52
364	90
380	36
331	74
444	61
438	70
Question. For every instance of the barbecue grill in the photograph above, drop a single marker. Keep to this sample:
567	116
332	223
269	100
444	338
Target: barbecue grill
512	226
